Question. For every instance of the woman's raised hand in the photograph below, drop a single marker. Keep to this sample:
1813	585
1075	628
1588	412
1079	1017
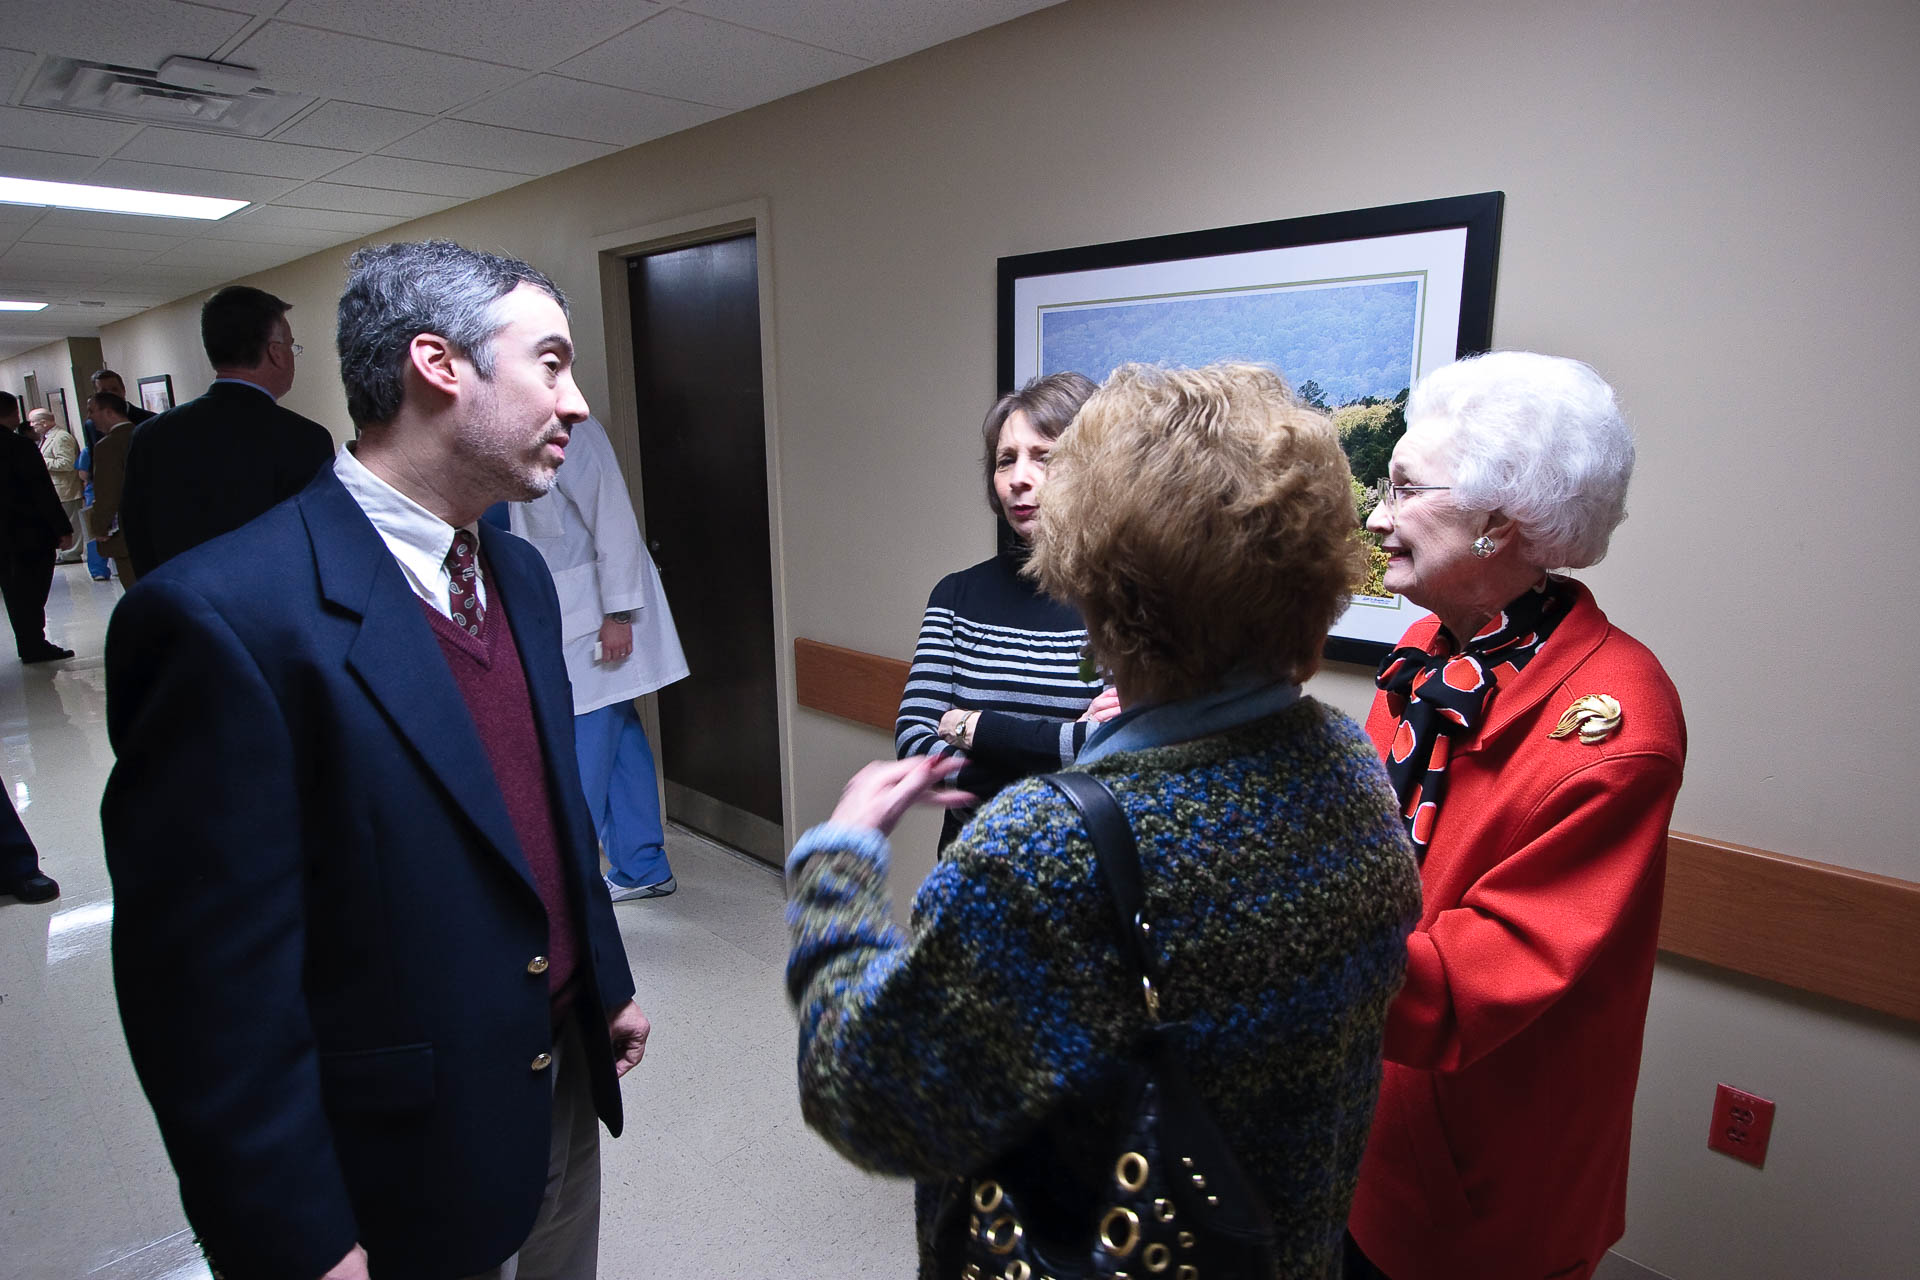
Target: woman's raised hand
877	795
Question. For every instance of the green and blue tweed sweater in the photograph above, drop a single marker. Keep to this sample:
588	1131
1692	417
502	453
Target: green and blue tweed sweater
1281	886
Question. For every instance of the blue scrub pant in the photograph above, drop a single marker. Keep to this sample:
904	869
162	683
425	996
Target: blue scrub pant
616	772
97	565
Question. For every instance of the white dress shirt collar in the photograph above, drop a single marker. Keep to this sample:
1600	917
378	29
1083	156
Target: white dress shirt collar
242	382
418	538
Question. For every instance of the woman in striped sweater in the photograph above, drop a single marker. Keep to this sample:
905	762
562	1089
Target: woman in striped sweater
996	678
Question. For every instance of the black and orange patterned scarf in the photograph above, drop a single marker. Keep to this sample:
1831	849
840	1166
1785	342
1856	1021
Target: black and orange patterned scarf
1443	695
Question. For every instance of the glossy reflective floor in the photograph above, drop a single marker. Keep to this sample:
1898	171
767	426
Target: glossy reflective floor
716	1177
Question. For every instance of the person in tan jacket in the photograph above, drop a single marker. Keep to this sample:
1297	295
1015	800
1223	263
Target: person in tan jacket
61	453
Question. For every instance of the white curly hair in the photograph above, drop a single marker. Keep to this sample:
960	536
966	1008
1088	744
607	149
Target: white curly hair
1540	438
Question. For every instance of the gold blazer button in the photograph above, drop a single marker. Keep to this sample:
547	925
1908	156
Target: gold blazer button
542	1061
537	965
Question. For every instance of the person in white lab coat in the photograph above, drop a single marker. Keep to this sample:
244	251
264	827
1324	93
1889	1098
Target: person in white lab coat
619	643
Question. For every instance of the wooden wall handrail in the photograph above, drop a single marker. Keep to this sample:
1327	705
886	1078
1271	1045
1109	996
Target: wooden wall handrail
862	687
1833	930
1847	934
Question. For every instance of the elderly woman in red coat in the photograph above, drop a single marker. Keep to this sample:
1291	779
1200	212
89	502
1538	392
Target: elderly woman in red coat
1536	750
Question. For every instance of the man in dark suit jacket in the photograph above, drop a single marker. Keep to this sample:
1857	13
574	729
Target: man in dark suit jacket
366	962
109	381
32	527
216	462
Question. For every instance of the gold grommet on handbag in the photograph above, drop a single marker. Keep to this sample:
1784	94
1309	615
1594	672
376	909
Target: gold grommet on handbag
1188	1271
987	1196
1017	1270
1163	1209
1156	1256
1003	1233
1186	1239
1120	1216
1130	1171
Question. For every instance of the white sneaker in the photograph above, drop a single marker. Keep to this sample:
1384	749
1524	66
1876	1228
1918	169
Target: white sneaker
635	892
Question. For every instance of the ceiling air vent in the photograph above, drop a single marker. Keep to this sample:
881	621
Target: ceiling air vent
185	93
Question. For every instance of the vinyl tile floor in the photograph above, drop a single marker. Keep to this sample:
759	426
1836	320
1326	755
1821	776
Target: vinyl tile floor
716	1177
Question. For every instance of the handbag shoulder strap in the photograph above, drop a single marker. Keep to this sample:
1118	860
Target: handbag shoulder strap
1119	858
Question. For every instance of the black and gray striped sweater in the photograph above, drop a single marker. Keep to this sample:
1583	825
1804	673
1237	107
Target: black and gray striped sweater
992	643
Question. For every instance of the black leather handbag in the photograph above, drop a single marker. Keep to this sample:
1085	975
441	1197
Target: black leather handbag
1157	1193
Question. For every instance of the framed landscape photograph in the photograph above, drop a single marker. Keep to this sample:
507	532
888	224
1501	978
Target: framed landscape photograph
156	393
1352	307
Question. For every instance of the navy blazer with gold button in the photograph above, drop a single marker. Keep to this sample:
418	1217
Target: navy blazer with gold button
328	946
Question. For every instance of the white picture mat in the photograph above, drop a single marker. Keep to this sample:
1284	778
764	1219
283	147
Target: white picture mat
1436	258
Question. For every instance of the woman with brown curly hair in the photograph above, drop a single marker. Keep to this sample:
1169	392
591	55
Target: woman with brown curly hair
1201	521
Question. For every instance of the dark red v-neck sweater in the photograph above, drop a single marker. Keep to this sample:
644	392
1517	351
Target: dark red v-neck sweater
487	670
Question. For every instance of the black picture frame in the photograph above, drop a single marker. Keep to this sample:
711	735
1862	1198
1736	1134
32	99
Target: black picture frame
163	387
1454	241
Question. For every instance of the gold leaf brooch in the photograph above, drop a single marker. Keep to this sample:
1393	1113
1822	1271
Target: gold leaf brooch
1595	718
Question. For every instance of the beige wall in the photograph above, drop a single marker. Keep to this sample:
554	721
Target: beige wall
52	368
1711	200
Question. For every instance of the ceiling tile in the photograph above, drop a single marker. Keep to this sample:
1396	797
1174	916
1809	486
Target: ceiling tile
876	29
352	125
394	174
46	166
346	222
303	238
83	256
232	155
502	31
133	33
492	147
234	259
577	109
13	65
45	234
81	220
60	131
405	204
55	278
382	75
190	182
170	280
683	55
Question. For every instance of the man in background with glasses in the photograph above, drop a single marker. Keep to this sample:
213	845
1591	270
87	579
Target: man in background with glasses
214	463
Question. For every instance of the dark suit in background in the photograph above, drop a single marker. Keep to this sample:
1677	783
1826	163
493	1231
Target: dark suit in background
32	523
212	464
327	940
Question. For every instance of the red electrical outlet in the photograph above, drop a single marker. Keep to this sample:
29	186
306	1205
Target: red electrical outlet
1741	1125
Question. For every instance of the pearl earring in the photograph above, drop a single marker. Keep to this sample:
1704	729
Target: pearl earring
1483	546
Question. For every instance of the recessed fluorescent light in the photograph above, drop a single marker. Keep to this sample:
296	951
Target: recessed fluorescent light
23	306
156	204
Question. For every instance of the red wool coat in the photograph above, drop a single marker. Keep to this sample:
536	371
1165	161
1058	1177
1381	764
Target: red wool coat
1499	1147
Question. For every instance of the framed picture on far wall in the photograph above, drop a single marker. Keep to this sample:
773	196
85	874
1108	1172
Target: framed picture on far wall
1352	307
156	393
57	404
